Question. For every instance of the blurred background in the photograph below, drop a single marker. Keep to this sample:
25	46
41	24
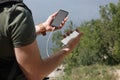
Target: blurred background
79	12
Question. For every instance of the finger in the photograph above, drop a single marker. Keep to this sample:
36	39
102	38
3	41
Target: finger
62	24
51	17
77	30
57	28
54	14
66	19
53	29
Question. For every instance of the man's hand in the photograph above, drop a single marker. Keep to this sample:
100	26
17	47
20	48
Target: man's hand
72	43
46	25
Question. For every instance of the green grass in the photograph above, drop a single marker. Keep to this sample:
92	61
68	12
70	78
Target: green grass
93	72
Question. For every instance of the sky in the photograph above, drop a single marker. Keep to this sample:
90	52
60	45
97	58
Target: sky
79	11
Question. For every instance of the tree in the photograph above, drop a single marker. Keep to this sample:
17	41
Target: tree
101	40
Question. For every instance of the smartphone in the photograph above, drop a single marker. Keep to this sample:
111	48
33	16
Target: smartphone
61	15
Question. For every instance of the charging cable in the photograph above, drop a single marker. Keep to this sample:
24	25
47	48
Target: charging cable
47	44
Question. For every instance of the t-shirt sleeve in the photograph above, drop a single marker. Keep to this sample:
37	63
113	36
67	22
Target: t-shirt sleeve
21	27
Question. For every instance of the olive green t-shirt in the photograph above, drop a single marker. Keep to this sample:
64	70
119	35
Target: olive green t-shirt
16	30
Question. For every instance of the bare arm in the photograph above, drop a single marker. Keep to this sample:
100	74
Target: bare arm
34	68
30	61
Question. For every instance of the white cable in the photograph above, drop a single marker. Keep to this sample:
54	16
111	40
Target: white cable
47	44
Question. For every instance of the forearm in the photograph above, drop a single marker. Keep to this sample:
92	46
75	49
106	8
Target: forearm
33	66
37	30
52	62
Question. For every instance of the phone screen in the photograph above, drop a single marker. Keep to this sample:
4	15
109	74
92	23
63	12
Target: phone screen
62	14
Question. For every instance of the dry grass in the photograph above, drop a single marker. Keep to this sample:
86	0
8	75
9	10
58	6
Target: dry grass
94	72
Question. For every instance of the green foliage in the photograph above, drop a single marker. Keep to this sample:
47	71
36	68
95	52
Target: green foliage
111	31
100	42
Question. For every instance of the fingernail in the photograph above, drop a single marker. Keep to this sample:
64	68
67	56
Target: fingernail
71	31
76	30
68	33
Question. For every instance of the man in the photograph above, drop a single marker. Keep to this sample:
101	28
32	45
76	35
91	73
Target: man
18	45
